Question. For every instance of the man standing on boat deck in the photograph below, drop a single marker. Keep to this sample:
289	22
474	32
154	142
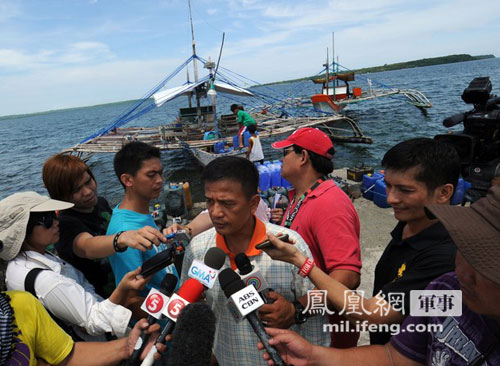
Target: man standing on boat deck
140	172
244	120
83	241
323	215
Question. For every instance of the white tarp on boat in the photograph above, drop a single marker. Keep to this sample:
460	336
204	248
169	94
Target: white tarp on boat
164	96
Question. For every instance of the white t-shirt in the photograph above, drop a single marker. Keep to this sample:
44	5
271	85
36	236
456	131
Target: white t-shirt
256	154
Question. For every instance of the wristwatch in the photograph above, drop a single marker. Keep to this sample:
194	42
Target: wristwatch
300	315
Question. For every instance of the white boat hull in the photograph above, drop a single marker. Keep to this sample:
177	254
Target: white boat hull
205	157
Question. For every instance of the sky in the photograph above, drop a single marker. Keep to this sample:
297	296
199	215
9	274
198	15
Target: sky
58	54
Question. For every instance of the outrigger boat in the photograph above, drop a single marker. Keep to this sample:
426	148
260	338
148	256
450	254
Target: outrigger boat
336	92
199	127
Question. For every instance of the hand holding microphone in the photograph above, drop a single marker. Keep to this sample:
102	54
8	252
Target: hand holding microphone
244	302
190	292
153	305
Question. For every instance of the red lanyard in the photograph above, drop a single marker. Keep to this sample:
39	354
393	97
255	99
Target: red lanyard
292	213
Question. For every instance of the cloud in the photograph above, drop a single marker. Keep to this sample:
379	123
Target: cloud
76	53
83	52
75	86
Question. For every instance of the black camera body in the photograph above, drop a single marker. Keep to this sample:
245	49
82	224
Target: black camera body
479	144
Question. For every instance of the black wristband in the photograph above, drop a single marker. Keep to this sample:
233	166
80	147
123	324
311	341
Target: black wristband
115	243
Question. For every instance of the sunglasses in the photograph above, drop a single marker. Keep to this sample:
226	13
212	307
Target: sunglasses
286	152
46	219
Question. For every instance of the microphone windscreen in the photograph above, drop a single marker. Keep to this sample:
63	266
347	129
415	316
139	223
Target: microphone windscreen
168	284
191	290
230	282
193	336
215	258
243	263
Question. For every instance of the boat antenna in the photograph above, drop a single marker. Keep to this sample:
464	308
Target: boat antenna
211	92
220	54
333	52
195	64
193	43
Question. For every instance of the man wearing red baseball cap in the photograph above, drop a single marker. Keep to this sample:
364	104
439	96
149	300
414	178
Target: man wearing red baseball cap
323	215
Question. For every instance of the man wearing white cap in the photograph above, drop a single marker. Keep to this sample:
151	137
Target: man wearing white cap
324	216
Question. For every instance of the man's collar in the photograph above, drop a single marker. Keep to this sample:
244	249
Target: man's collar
258	236
429	236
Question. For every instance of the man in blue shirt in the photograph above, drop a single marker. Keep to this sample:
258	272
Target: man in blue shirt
139	170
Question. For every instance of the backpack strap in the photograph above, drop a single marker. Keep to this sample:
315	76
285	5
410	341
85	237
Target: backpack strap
29	281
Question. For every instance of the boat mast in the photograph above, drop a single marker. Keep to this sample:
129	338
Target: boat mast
333	52
195	65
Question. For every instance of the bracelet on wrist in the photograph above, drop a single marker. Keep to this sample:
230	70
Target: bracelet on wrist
306	267
115	243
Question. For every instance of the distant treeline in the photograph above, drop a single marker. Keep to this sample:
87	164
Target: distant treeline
406	65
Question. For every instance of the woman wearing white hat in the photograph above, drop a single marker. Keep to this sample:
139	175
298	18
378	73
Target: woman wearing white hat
28	225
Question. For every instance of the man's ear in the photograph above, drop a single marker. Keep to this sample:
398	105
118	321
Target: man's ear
443	193
127	179
254	203
304	158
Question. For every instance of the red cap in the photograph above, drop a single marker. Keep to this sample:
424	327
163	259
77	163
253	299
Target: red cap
310	139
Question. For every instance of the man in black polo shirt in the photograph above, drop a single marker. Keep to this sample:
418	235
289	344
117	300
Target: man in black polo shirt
419	172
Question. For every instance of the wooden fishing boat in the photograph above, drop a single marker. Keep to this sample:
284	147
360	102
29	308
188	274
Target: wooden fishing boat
336	92
200	129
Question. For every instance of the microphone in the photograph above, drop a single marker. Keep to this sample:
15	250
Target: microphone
206	273
190	291
193	336
251	275
153	305
243	303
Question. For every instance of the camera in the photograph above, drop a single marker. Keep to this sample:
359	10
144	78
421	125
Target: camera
478	145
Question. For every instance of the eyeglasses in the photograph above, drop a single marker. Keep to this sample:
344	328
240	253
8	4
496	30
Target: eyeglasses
286	152
46	219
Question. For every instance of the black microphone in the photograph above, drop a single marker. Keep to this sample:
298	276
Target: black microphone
215	258
251	275
206	272
193	336
152	304
231	283
190	292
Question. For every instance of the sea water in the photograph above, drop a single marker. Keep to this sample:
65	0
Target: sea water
26	141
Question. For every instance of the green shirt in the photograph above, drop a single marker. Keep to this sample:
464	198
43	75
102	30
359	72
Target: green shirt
245	118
